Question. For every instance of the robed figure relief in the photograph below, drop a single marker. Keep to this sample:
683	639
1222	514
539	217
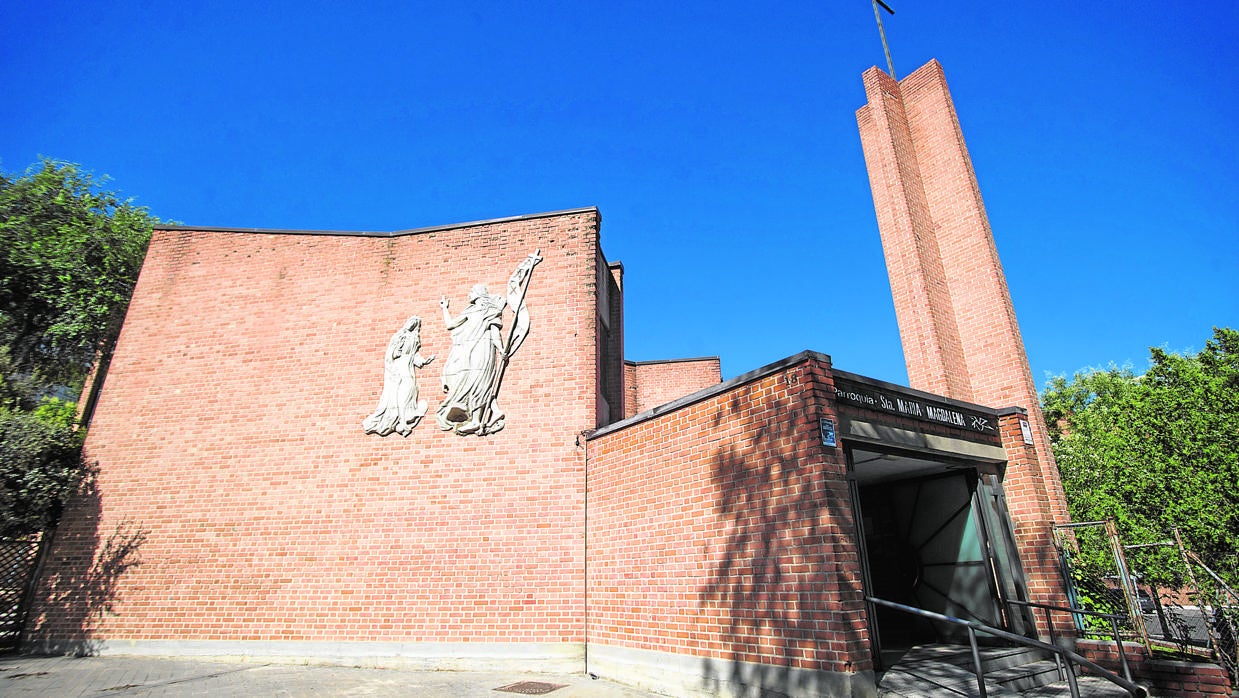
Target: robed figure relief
399	408
480	354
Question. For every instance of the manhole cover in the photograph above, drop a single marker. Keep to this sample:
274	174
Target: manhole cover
531	688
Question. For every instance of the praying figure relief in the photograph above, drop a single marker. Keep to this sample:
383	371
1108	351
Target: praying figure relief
399	408
479	355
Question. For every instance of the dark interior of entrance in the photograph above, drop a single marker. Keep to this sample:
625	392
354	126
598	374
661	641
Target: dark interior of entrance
936	537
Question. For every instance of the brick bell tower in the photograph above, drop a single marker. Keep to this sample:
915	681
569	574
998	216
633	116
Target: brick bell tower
958	327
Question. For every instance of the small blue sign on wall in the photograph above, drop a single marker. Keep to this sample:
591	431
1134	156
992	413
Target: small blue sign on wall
828	431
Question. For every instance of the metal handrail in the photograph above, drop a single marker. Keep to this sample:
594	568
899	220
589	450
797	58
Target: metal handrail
1070	609
973	627
1114	626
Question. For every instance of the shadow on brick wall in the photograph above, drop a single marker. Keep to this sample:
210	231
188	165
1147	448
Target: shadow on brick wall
789	558
77	587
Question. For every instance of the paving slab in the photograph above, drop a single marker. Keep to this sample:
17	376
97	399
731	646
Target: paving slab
117	676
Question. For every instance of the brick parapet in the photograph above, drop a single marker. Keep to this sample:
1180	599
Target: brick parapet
653	383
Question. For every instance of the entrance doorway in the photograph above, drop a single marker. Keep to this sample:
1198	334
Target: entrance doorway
936	536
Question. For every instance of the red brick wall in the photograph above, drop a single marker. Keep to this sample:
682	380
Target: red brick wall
1028	497
231	456
1165	677
723	529
631	395
653	383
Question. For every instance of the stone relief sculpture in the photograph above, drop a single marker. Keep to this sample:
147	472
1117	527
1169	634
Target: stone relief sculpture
479	355
399	408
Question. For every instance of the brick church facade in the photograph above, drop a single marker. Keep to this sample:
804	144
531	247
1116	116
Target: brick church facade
644	521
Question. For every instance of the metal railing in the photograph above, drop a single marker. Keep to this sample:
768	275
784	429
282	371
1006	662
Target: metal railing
1064	657
1114	626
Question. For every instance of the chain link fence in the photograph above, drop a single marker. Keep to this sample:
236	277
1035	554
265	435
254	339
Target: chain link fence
1171	601
18	559
1095	577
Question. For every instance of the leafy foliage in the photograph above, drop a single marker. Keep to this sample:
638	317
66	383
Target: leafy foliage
40	466
1156	451
69	257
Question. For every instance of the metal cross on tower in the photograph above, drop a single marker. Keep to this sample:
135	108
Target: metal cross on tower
882	32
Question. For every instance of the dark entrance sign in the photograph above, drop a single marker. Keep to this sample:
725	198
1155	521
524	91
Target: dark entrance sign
873	398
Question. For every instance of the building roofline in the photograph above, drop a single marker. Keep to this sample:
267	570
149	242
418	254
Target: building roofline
379	234
707	393
672	361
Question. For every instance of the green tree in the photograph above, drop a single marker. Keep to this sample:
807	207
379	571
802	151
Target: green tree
69	257
1156	451
40	466
70	252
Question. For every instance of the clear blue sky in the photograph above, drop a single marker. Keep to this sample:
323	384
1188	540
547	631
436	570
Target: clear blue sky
717	138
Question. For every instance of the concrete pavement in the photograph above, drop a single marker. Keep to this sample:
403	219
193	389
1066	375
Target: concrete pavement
124	677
